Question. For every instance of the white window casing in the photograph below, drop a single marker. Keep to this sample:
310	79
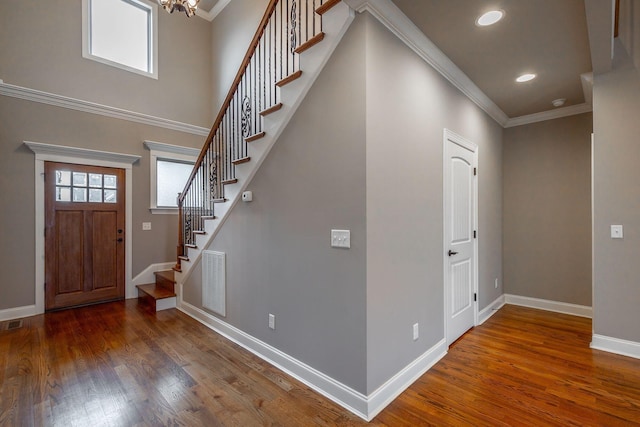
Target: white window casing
170	153
114	45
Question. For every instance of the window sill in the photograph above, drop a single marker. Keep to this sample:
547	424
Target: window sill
164	211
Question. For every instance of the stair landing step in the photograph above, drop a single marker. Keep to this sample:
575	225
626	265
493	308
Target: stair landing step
166	274
156	292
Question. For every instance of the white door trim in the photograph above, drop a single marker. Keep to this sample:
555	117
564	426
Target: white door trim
59	153
449	135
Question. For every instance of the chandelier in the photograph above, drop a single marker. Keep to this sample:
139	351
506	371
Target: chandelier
187	6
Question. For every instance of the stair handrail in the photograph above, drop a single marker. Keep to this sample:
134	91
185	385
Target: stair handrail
231	130
227	101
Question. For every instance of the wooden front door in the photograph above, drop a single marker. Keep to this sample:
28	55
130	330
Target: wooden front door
84	234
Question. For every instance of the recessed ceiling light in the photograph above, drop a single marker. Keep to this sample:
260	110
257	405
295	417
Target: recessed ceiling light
525	78
490	18
559	102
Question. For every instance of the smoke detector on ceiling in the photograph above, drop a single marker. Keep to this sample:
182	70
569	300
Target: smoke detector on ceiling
559	102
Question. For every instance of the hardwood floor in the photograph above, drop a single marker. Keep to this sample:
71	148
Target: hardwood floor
118	365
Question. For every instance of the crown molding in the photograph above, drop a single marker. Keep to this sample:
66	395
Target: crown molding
400	25
215	11
42	97
571	110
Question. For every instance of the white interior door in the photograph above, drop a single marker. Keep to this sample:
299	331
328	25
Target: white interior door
460	232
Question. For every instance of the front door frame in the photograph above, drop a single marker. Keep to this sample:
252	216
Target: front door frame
81	156
452	137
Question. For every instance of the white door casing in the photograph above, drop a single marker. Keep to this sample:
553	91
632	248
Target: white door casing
65	154
460	235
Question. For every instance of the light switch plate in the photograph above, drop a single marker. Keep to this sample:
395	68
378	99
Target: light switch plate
617	232
341	238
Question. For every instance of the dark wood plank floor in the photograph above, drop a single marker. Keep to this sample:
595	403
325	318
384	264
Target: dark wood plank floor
118	365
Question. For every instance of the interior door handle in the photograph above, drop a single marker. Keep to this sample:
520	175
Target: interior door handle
119	239
451	253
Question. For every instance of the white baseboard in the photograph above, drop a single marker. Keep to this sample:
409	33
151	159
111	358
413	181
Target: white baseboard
385	394
147	276
491	309
543	304
18	312
323	384
615	345
366	407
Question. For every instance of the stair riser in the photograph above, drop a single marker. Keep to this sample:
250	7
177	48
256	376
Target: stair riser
168	284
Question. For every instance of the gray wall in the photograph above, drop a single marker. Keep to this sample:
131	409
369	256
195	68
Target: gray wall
279	258
348	313
29	121
41	48
629	30
408	106
231	33
547	210
617	200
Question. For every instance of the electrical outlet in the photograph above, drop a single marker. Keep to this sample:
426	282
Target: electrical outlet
416	332
496	283
146	226
272	321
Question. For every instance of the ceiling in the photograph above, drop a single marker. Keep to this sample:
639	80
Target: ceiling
545	37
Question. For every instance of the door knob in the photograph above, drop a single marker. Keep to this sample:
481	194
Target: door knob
451	253
119	239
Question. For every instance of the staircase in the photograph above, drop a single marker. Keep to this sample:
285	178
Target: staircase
160	295
294	40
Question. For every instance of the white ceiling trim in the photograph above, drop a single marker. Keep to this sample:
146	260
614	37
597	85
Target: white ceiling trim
215	11
571	110
34	95
400	25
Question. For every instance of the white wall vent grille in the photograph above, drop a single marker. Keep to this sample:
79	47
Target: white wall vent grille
214	282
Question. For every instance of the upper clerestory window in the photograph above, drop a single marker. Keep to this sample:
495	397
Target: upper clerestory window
121	33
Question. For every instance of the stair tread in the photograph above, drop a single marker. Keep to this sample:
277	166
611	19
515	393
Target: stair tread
271	109
255	137
289	78
241	161
156	292
326	6
310	43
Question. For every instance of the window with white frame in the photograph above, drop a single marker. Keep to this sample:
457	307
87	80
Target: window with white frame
170	167
121	33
